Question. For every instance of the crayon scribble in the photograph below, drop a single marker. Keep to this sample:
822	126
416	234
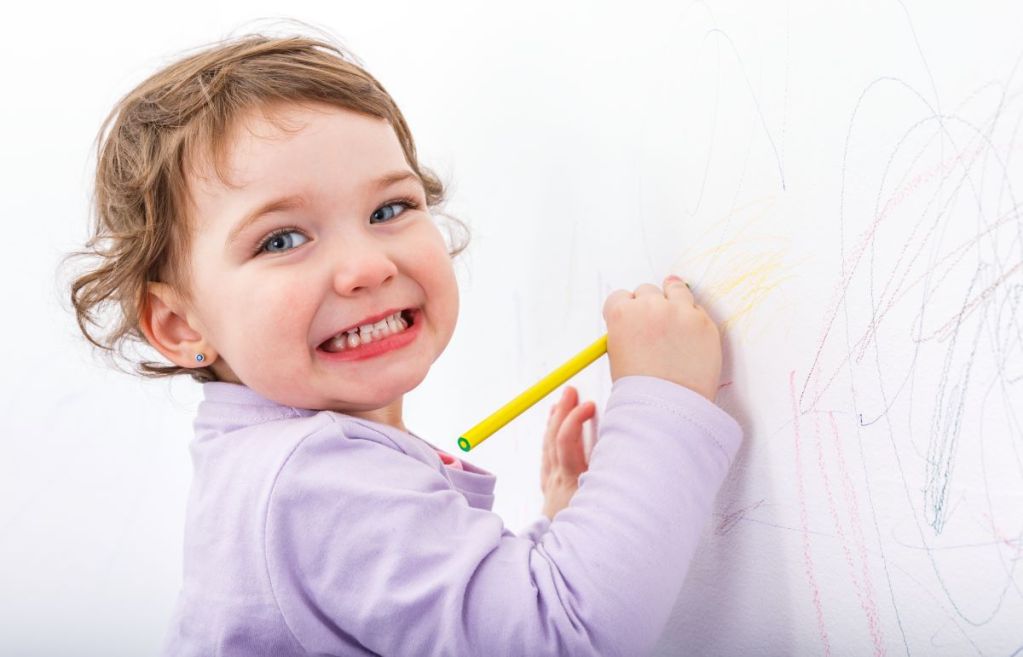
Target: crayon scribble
920	344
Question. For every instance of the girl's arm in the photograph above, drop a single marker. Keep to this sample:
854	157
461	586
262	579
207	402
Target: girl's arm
369	549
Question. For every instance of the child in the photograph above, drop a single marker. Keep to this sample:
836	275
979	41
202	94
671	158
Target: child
262	221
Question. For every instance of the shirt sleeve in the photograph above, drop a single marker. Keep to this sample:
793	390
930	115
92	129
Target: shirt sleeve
369	550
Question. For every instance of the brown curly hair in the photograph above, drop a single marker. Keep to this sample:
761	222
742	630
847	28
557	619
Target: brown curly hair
141	231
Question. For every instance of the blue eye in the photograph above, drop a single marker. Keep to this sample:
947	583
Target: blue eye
406	203
281	238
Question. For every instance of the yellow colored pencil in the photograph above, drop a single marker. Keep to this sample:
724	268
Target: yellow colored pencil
535	393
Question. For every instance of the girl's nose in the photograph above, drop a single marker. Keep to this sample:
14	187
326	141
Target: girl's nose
363	267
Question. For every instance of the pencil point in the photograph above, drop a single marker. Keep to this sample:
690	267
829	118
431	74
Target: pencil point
464	444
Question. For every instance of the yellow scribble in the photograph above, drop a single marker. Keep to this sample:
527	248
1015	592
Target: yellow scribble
737	264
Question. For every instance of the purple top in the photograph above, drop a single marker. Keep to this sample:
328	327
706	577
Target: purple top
317	532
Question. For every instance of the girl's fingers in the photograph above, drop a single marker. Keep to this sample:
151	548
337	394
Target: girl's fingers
569	398
677	289
545	461
547	453
592	431
571	453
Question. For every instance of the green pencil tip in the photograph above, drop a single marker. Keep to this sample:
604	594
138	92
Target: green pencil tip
464	444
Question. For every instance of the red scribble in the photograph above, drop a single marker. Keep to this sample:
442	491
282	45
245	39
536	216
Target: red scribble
863	585
869	234
1014	543
811	578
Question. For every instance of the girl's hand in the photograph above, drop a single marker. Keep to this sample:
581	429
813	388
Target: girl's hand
663	333
565	456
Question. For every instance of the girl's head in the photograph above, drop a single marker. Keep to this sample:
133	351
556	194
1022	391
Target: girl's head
253	200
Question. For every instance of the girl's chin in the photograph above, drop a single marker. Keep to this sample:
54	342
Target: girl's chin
375	391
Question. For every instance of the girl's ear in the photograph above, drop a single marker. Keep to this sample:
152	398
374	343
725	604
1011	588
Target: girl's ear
164	323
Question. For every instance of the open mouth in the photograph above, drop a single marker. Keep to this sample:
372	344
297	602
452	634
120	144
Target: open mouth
355	338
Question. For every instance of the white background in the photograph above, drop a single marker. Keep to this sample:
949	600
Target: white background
839	183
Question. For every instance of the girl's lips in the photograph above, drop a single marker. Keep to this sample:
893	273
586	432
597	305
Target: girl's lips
377	347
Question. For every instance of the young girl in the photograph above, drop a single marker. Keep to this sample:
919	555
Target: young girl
262	221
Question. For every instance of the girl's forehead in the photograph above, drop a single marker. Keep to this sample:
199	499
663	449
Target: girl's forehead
290	151
250	142
249	131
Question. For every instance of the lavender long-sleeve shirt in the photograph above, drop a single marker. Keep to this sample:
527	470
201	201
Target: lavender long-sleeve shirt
314	532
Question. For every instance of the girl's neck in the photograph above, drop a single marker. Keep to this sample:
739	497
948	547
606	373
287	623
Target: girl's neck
389	415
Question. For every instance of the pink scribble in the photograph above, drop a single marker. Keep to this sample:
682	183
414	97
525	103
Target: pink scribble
1014	543
851	263
863	584
811	578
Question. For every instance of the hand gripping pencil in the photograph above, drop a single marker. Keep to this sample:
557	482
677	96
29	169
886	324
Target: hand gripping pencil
538	391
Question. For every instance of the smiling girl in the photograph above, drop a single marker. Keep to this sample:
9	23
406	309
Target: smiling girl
263	222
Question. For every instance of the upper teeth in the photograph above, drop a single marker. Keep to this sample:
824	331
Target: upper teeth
369	332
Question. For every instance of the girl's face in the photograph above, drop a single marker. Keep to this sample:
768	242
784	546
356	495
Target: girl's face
355	241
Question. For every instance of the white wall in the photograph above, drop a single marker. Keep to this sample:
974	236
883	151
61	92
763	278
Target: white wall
841	184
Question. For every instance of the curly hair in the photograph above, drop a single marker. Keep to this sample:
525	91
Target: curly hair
141	231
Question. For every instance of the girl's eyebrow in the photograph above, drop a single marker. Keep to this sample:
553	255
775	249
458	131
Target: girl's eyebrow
293	201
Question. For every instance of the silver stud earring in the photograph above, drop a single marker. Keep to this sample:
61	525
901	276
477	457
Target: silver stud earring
200	358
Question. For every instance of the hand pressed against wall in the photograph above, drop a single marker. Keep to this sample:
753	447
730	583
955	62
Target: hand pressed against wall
566	454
